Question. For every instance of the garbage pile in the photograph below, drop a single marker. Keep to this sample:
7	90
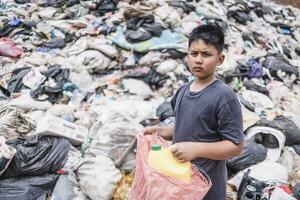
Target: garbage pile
81	78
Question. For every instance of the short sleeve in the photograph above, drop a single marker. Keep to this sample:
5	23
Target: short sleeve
230	121
173	101
174	98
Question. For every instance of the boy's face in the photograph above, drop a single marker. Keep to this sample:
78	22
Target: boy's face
203	59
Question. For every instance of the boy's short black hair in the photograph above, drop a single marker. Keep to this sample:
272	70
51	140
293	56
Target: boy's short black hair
210	34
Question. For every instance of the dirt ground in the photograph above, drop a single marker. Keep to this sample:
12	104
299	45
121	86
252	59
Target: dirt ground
295	3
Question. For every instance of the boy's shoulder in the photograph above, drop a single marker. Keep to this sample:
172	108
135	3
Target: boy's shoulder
223	89
222	92
218	90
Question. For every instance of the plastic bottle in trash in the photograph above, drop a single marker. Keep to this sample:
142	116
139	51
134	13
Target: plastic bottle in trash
164	162
77	98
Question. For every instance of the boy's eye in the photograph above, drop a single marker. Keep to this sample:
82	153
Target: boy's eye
206	54
193	54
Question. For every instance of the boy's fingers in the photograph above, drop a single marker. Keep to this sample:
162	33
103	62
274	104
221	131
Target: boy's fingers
176	152
147	131
180	158
174	149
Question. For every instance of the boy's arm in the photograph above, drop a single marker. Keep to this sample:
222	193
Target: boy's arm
164	132
223	150
167	132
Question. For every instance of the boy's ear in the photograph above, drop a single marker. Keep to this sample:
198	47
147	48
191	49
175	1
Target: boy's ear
221	59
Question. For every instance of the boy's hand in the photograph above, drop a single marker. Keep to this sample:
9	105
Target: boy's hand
184	151
164	132
151	130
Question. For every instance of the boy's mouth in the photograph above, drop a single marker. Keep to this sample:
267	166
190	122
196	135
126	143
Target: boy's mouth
198	69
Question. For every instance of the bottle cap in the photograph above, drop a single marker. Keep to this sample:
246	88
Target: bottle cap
156	147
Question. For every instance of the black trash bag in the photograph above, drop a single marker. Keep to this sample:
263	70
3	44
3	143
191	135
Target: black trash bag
297	148
297	50
37	155
175	54
251	85
283	28
164	111
260	10
155	80
287	51
25	29
286	126
61	76
240	16
59	3
296	191
217	22
267	140
27	188
149	122
252	154
247	37
55	43
247	104
251	69
186	7
137	36
251	188
149	27
22	1
4	93
136	74
9	26
154	28
278	63
15	83
133	23
106	29
105	6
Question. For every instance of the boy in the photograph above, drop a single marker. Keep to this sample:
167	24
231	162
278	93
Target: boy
208	120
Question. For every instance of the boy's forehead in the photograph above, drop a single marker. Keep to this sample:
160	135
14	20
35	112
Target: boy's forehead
201	45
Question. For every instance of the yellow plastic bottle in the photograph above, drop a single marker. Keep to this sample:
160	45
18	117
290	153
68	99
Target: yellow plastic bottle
164	162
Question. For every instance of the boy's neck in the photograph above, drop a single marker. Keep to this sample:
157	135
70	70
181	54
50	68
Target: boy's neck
204	82
199	84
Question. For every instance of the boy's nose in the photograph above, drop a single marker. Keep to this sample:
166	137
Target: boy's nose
199	59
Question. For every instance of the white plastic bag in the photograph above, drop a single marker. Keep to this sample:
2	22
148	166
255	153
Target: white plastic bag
97	177
279	194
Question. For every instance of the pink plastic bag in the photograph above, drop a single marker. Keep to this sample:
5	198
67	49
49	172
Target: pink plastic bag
9	49
149	184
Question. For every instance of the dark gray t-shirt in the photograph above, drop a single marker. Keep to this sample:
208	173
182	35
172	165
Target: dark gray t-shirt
211	115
